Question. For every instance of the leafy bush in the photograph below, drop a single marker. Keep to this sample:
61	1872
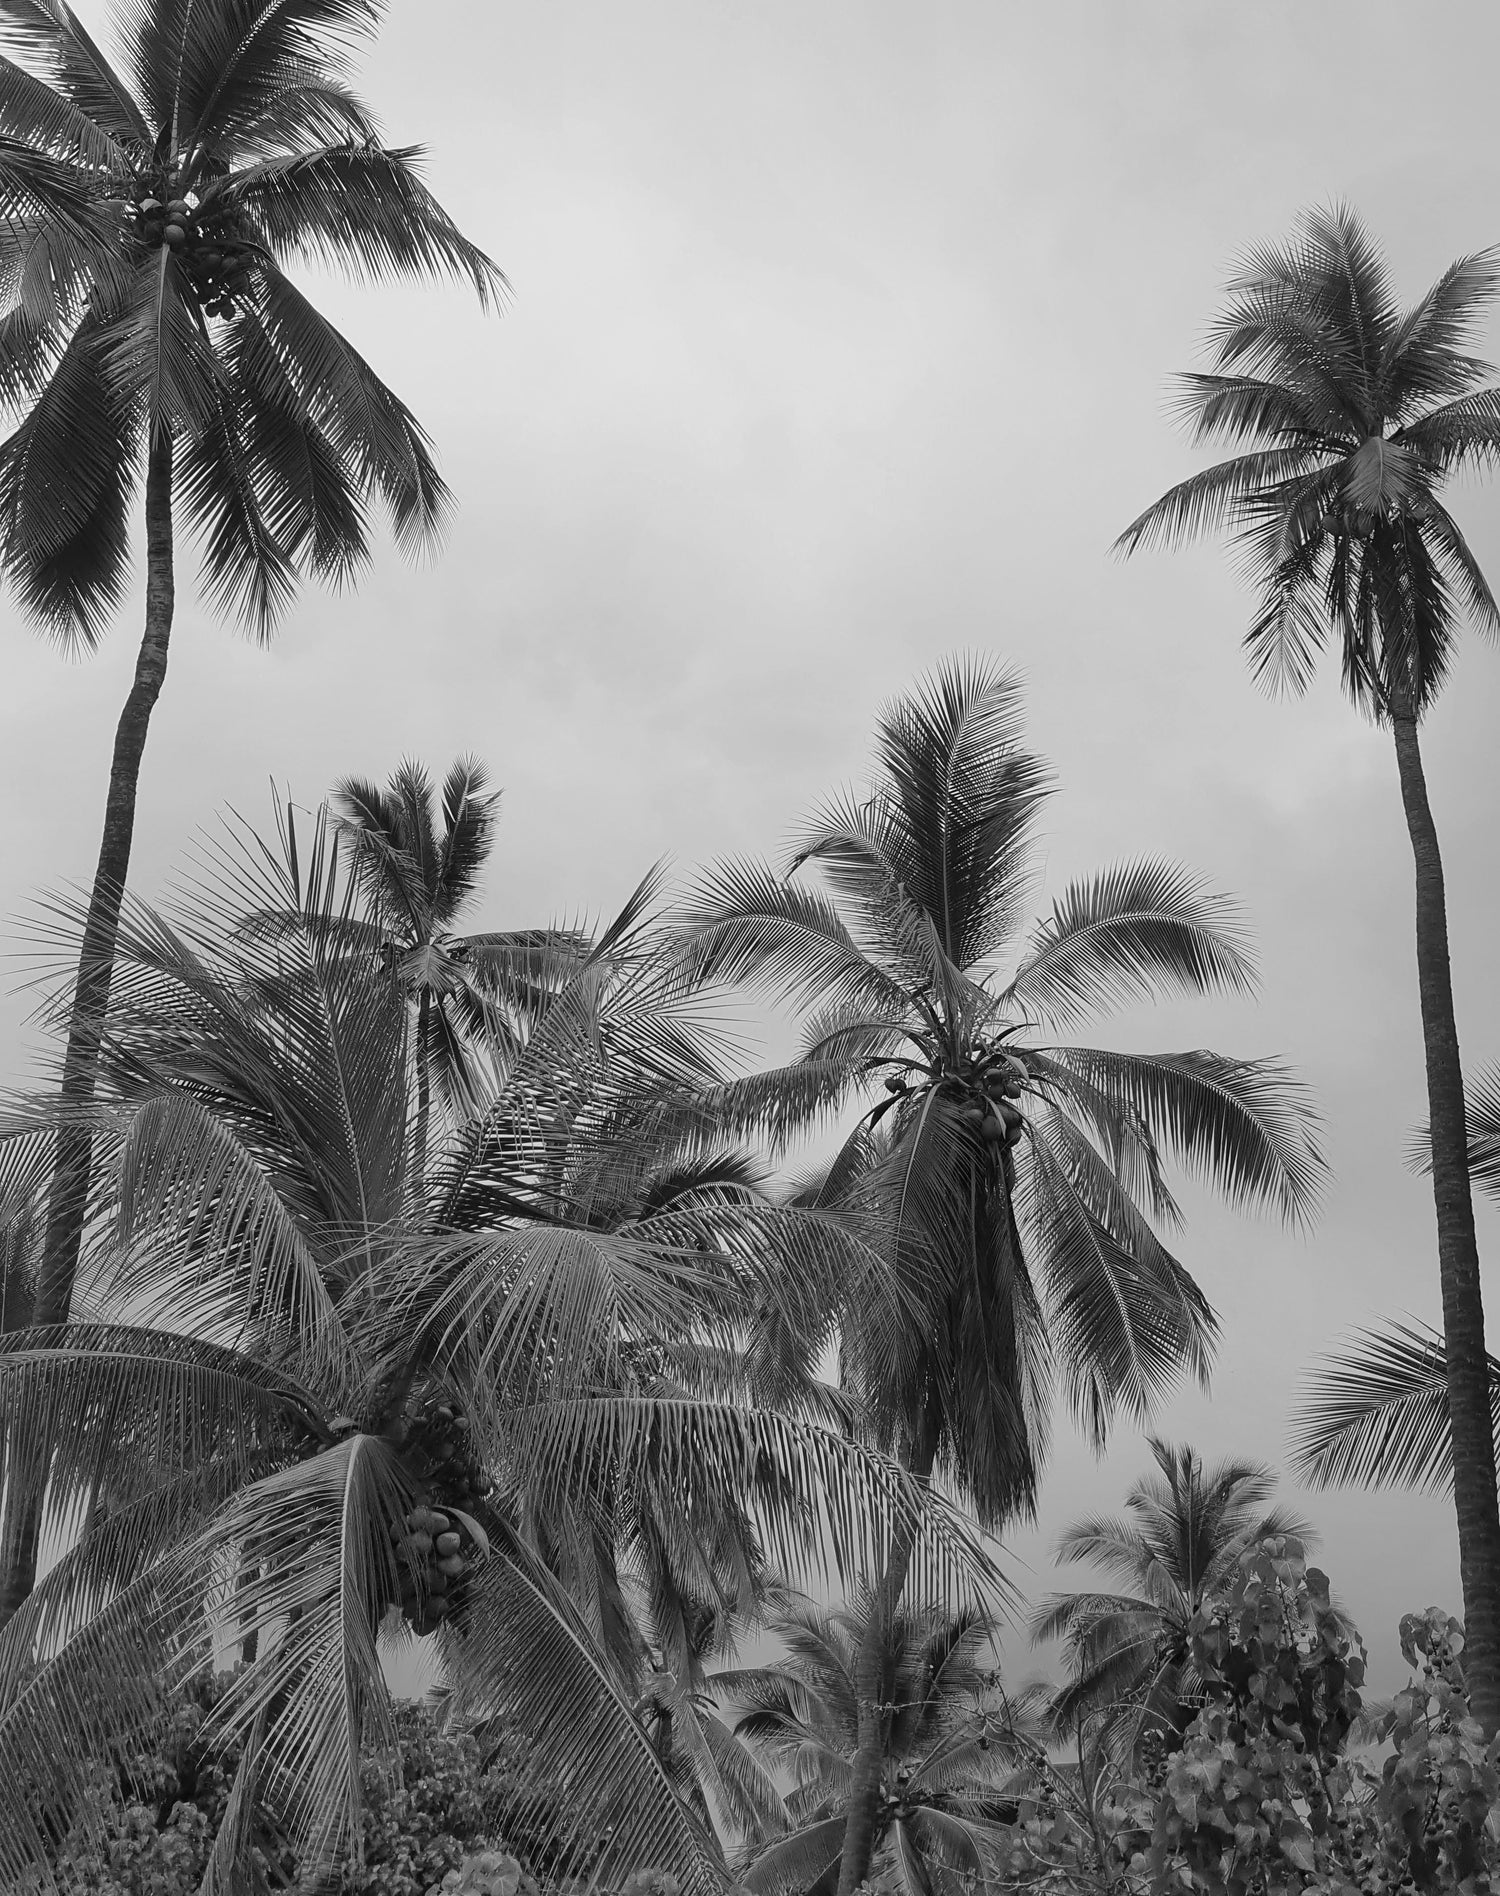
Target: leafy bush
1265	1796
155	1817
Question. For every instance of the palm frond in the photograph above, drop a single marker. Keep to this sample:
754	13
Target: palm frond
50	36
365	210
1132	933
1376	1413
1243	1125
527	1658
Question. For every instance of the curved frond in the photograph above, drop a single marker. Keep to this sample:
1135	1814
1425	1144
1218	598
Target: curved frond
1135	932
365	210
1376	1413
1243	1125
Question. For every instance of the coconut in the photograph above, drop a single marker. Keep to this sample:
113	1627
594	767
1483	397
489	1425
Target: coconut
452	1565
994	1130
448	1543
437	1523
419	1543
175	235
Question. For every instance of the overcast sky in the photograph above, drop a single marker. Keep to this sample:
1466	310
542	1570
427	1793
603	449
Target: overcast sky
839	343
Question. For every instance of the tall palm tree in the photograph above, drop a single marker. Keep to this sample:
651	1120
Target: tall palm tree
418	878
1354	412
148	328
296	1373
1130	1655
1020	1181
946	1746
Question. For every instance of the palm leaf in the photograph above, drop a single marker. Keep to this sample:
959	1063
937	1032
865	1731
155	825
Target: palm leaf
1133	933
1377	1413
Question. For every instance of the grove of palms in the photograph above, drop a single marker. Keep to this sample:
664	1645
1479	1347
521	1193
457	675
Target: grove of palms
380	1285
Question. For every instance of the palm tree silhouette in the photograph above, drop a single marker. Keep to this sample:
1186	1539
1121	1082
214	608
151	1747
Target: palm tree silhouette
1358	412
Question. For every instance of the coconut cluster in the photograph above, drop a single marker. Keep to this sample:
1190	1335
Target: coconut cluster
208	245
434	1548
990	1089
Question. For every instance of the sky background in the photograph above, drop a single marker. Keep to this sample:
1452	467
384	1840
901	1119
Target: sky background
840	343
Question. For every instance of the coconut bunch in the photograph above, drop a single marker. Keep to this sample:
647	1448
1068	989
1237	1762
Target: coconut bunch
439	1540
208	243
985	1089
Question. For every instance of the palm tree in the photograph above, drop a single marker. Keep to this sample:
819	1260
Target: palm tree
300	1385
1019	1181
1353	413
946	1745
1130	1654
417	880
150	212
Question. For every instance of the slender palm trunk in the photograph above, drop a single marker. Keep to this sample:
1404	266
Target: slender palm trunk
1458	1250
864	1791
68	1196
424	1096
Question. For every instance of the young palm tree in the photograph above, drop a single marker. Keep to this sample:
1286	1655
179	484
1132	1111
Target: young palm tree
1354	412
946	1746
417	880
1130	1654
148	329
1017	1178
294	1363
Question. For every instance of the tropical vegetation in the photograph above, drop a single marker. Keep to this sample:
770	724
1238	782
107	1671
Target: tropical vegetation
153	339
1129	1655
1021	1178
388	1300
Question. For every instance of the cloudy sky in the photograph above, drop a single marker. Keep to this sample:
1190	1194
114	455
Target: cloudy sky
839	343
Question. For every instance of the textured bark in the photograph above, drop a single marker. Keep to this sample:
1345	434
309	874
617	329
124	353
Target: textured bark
68	1196
1458	1250
869	1759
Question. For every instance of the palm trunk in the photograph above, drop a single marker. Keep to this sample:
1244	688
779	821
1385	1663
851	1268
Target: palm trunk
424	1096
1458	1250
869	1759
68	1196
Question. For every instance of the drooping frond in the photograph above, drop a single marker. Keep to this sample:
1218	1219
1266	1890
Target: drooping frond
365	210
1376	1413
527	1658
1245	1126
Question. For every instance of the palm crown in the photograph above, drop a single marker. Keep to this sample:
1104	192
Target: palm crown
1358	411
469	991
1021	1179
946	1743
150	214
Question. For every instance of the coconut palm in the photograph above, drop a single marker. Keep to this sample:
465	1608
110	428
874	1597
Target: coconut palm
149	334
302	1388
417	879
1353	413
1020	1180
946	1745
1130	1654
